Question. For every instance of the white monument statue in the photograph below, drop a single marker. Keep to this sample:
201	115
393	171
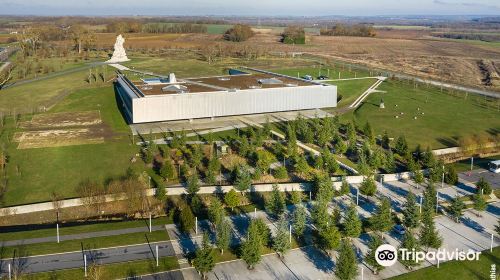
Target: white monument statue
119	54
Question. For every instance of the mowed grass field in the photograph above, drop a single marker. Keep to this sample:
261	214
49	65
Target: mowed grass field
349	90
440	122
33	174
25	98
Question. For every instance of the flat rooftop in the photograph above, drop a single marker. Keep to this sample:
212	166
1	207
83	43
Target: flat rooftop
220	83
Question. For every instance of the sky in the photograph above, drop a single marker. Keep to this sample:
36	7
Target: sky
251	7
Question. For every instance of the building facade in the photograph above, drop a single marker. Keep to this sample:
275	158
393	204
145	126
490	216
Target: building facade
220	96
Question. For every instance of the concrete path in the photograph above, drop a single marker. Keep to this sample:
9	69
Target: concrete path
365	94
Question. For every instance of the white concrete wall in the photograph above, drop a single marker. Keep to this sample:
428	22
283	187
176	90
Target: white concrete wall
74	202
397	176
224	103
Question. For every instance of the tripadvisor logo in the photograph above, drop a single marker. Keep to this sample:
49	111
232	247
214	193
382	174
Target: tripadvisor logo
387	255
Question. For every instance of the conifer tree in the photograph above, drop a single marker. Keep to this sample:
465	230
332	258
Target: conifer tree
429	236
329	237
299	221
344	188
456	208
204	261
216	212
382	219
479	202
346	267
411	212
375	242
409	243
281	242
277	202
368	187
193	184
251	249
223	235
352	223
232	199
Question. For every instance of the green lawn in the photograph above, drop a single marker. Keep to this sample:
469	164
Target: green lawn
93	243
32	96
348	91
34	174
37	231
458	269
55	64
114	271
445	117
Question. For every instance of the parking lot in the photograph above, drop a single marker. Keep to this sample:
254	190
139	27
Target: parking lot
472	233
476	174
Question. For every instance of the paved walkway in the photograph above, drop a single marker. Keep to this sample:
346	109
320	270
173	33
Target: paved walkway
365	94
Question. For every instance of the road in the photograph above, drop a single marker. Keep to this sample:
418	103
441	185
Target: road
102	256
80	235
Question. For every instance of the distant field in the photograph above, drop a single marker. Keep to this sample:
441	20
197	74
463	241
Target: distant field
475	42
441	120
404	27
221	28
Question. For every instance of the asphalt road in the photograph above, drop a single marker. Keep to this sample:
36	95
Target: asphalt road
101	256
80	236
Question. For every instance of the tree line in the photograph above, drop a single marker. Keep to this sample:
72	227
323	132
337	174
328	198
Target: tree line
174	28
357	30
293	35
